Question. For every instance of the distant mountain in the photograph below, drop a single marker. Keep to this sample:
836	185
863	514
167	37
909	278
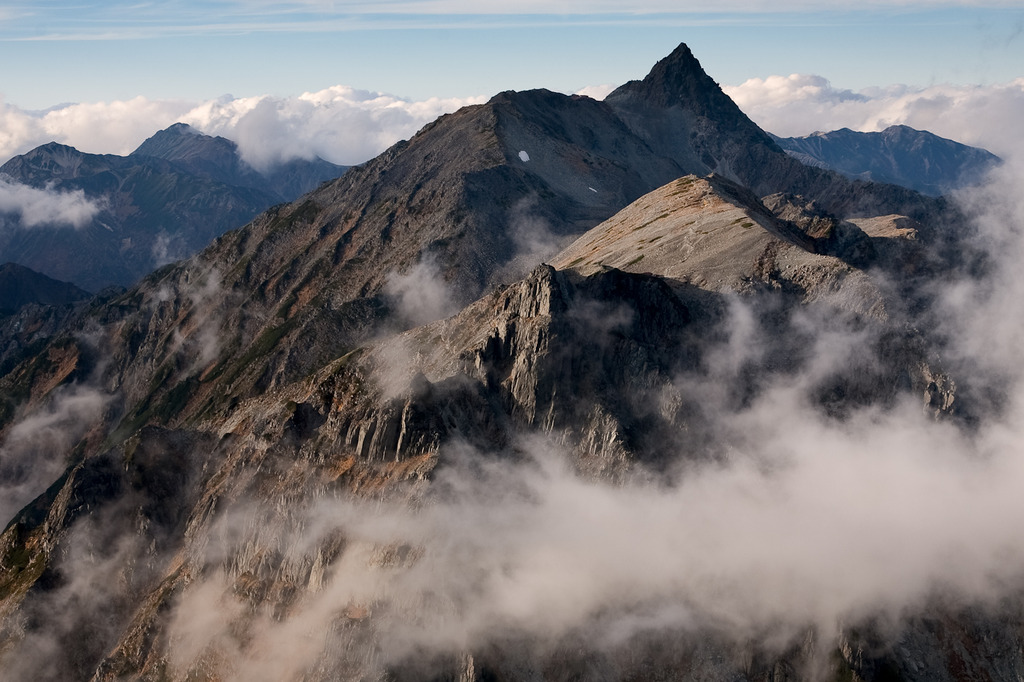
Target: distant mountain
20	286
165	201
218	158
898	155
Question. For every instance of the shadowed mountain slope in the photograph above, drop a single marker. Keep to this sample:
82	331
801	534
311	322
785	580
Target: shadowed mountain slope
20	286
33	308
157	205
898	155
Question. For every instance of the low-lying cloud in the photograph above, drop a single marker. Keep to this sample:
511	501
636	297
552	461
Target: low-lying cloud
801	523
815	527
340	124
46	206
31	452
421	294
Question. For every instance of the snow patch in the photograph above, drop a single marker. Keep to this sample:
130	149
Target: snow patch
523	156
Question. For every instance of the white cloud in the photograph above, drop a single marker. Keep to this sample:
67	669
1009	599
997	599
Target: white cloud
339	123
421	294
115	127
799	104
46	206
31	449
349	126
598	92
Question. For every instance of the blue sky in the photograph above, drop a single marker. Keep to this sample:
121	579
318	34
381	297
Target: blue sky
103	51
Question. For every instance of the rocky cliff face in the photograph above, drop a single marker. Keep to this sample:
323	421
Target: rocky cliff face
356	439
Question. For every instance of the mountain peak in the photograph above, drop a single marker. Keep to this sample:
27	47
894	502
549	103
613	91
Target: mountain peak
177	130
52	150
181	142
676	79
182	129
45	163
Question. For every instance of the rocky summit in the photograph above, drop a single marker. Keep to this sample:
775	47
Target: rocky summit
556	389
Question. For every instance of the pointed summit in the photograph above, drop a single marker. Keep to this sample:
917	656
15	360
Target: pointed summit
678	79
683	113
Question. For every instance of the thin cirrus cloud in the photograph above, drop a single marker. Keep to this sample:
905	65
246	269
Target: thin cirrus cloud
130	20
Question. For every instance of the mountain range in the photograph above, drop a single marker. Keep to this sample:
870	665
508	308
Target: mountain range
393	429
165	201
898	155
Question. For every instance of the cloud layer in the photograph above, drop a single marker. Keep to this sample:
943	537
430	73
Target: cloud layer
799	104
349	126
340	124
119	20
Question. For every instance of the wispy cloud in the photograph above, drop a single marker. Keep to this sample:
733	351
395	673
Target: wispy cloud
30	451
46	206
126	21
